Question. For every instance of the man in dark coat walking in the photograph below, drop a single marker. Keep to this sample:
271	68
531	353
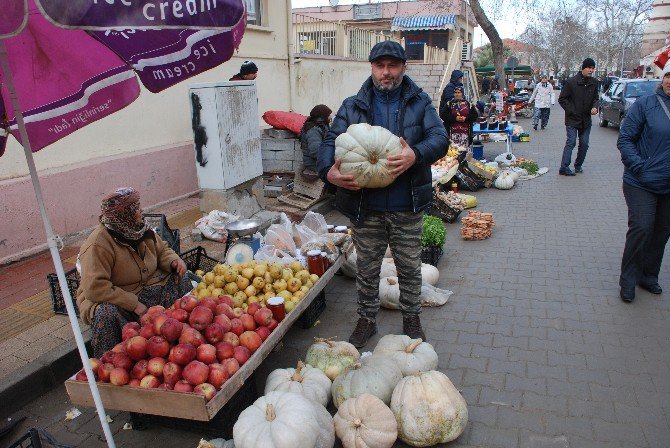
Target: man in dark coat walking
579	99
390	216
455	81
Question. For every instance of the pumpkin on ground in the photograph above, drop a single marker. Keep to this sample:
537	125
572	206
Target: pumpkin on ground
374	374
330	356
429	409
278	420
365	422
363	150
304	379
504	181
429	273
326	437
389	294
411	355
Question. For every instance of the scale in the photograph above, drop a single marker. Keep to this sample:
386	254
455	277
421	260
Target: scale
242	245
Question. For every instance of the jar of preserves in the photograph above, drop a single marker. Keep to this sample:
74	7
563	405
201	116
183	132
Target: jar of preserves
315	262
326	263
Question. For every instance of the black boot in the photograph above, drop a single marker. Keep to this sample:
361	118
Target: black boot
411	326
364	330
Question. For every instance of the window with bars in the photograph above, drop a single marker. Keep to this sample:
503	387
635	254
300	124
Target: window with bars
317	42
254	12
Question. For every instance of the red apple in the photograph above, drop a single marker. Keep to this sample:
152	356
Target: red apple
156	310
200	317
180	315
248	322
251	340
224	350
231	338
225	309
209	302
95	364
134	382
159	320
224	321
182	354
171	329
214	332
105	371
196	372
171	373
191	336
206	390
123	361
242	354
119	376
139	370
136	347
108	356
147	331
236	326
157	346
231	365
237	312
188	303
253	307
119	348
147	320
217	375
150	382
183	386
272	325
129	330
263	316
155	366
176	305
227	300
165	386
81	375
206	353
263	332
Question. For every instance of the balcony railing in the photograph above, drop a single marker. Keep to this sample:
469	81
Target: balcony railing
319	37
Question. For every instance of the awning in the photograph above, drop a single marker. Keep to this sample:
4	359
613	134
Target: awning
518	70
439	22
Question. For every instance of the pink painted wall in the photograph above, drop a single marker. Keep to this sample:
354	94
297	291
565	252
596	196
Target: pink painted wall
73	194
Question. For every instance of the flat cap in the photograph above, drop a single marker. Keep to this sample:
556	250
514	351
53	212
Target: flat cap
388	49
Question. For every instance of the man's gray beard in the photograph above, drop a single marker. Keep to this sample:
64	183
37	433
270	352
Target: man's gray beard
382	88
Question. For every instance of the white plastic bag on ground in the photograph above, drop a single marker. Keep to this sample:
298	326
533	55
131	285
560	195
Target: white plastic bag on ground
213	226
389	294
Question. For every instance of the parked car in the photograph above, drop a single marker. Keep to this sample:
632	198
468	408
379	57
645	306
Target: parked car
615	103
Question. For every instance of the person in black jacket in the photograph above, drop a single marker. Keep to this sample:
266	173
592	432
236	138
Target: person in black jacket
458	117
579	99
448	92
311	136
390	216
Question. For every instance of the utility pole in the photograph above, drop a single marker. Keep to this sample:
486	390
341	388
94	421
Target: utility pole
623	52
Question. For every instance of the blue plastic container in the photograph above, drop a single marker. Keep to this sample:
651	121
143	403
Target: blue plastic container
478	151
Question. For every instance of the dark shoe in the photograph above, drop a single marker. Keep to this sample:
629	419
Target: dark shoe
627	294
543	128
411	326
566	172
654	289
364	330
535	127
578	169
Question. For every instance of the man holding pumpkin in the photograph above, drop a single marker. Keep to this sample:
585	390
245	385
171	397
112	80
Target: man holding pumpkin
389	216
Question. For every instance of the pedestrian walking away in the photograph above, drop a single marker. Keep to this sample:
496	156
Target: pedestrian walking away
644	143
543	98
579	99
390	216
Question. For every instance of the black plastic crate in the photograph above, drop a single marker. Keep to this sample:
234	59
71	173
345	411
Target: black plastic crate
72	278
220	426
34	439
197	258
431	254
312	312
158	222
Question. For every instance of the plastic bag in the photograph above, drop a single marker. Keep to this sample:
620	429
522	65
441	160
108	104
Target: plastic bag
213	226
290	121
281	239
390	298
315	222
271	254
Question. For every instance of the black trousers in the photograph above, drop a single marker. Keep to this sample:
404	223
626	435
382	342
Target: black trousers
648	232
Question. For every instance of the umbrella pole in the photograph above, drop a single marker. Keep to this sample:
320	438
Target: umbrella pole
53	242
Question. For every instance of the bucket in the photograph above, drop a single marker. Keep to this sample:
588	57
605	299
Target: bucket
478	151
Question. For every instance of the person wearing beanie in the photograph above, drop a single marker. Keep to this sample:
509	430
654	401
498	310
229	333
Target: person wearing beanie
579	99
393	215
248	72
311	136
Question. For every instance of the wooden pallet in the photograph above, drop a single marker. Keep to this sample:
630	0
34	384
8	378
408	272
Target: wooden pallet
305	192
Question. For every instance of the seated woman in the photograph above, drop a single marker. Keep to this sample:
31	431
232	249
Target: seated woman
311	136
125	269
458	117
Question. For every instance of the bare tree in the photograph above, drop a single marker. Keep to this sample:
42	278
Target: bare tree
493	35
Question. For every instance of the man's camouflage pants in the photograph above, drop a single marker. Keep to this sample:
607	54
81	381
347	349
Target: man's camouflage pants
402	232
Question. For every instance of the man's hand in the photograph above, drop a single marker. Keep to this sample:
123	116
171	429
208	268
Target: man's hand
401	162
140	309
179	267
335	177
594	111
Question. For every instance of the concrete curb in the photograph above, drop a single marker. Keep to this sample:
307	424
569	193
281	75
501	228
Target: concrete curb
40	376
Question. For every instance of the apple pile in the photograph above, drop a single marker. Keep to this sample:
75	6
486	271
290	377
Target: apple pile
194	346
257	281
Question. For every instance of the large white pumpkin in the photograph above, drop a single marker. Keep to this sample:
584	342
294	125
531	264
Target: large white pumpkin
326	438
365	422
375	374
411	355
363	150
304	379
331	356
429	409
278	420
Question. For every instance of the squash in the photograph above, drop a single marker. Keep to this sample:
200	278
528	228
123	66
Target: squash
504	181
429	409
411	355
374	374
326	438
304	379
278	420
330	356
389	294
429	273
363	150
365	422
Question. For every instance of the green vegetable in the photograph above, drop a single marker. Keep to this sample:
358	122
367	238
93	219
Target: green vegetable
433	232
530	167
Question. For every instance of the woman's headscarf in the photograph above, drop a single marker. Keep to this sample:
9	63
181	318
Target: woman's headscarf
119	214
319	113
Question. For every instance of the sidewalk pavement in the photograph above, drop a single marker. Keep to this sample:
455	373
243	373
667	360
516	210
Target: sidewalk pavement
535	335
